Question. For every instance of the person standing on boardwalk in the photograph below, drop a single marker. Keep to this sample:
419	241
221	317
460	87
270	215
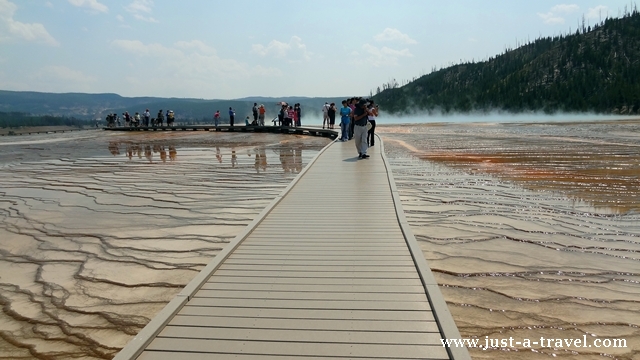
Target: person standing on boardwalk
170	117
254	112
325	114
216	118
332	115
127	119
289	116
352	106
160	118
261	113
295	115
147	116
345	115
373	112
232	116
360	119
299	115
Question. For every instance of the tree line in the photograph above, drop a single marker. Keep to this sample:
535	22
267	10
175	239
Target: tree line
17	119
596	69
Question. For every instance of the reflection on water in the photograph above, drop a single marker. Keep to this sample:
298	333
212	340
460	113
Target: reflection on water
523	255
97	235
290	156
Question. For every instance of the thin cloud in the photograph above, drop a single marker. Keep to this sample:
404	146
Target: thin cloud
554	16
140	9
292	50
192	61
551	18
91	4
145	18
185	66
565	8
62	73
138	6
11	30
597	12
383	56
394	35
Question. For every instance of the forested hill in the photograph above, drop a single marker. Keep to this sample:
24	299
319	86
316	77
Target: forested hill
596	69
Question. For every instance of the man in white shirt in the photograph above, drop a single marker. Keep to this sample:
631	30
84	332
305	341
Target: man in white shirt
147	116
325	113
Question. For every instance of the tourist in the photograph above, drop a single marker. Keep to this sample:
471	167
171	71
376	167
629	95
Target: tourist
147	117
136	119
345	115
232	116
289	116
373	112
352	106
281	116
216	118
246	121
332	115
295	115
261	113
170	117
325	114
298	114
254	112
160	118
360	119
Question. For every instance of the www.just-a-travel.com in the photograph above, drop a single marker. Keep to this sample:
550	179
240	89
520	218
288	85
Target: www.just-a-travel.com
557	343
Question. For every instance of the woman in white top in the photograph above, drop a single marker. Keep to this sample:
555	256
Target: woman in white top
373	112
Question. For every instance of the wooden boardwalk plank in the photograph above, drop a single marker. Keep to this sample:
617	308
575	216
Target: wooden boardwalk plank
396	320
311	304
164	355
321	274
318	281
285	348
301	335
323	295
314	288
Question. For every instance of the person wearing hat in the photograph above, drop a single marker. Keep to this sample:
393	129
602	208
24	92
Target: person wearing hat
360	119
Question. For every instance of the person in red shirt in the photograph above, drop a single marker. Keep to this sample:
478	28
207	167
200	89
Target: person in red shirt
261	113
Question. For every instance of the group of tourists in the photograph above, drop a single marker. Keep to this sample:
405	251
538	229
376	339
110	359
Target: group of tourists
289	115
357	120
138	120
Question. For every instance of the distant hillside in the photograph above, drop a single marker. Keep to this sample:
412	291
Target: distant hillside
92	106
597	69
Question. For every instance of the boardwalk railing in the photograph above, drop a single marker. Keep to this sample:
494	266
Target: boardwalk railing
319	273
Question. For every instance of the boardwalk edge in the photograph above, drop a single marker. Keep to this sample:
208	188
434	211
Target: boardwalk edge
446	324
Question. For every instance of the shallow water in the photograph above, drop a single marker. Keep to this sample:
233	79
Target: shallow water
99	231
532	230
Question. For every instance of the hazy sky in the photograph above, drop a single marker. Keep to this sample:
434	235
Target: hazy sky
219	49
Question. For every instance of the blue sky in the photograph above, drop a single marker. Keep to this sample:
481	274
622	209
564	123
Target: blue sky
221	49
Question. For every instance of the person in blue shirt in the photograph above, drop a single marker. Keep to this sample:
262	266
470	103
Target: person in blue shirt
345	111
232	116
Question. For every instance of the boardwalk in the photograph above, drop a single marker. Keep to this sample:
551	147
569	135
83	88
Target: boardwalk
304	130
326	271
